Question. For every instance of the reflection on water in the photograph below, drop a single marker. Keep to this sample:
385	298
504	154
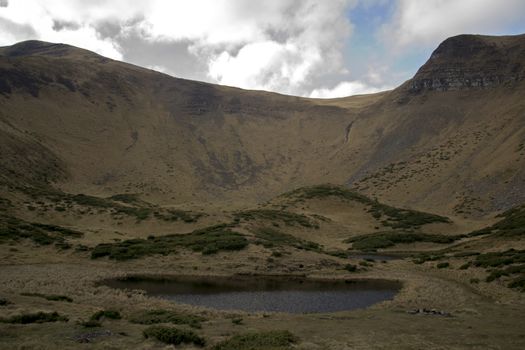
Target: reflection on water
255	293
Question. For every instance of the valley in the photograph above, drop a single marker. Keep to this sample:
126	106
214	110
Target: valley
113	171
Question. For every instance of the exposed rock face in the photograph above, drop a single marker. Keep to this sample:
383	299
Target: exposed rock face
472	62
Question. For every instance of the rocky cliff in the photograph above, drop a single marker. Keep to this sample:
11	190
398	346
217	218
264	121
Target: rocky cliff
473	62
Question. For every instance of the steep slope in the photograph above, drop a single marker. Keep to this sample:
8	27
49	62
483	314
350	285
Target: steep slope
450	140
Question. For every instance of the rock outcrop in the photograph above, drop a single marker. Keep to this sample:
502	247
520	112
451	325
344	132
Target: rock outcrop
472	62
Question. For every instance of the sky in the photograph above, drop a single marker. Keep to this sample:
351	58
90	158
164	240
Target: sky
314	48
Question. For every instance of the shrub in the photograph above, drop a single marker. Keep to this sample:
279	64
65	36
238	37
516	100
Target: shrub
271	237
167	316
350	268
15	229
91	324
289	218
39	317
174	336
109	314
51	297
271	340
209	240
394	217
442	265
237	321
380	240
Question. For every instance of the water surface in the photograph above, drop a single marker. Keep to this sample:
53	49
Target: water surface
256	293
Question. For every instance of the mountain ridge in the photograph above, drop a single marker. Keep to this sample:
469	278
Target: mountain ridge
176	141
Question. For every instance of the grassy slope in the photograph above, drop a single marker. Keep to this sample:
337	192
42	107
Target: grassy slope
178	141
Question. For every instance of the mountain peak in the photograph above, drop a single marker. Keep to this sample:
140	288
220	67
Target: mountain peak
472	61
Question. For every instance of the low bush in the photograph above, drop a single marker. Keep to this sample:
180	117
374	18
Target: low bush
91	324
39	317
174	336
351	268
393	217
209	240
51	297
271	340
166	316
270	237
108	314
381	240
15	229
288	218
443	265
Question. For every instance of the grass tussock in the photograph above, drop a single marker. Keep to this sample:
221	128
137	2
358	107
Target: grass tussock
276	216
15	229
39	317
271	340
381	240
166	316
173	336
106	314
509	263
50	297
512	224
209	240
390	216
270	237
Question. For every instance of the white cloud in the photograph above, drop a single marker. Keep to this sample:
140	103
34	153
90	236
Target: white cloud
279	45
346	88
429	22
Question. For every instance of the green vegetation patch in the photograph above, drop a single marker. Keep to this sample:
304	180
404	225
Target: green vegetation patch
208	240
512	224
270	237
51	297
15	229
166	316
107	314
288	218
381	240
176	215
271	340
390	216
39	317
174	336
509	263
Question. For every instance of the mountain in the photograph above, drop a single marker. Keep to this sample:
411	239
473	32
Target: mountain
451	140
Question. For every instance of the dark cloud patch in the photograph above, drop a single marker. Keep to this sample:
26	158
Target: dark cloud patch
4	3
59	25
172	57
18	31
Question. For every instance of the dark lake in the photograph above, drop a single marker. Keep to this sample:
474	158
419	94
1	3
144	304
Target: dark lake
263	293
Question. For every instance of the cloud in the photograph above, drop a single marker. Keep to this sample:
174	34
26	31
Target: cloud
346	88
427	23
278	45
